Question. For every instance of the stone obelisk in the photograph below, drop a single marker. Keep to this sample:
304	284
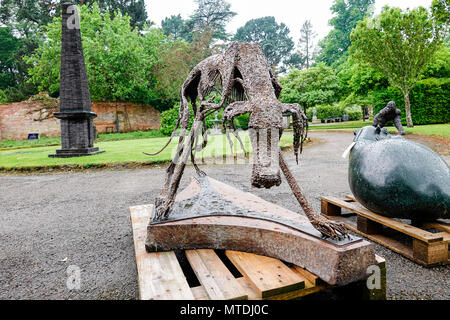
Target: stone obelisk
77	130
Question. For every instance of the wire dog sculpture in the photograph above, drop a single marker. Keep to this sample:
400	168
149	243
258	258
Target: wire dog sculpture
243	79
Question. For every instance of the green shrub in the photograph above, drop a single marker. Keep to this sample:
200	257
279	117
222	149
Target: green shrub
354	112
14	95
241	122
3	97
169	120
430	101
329	111
309	114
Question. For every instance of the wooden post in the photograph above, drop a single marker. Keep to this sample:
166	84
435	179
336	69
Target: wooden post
368	226
430	253
330	209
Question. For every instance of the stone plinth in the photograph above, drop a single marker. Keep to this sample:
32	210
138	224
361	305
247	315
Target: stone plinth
335	263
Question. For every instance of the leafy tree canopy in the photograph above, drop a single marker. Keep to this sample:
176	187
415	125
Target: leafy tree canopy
273	38
27	16
306	42
348	13
7	61
400	45
296	60
310	87
176	60
27	20
211	15
118	59
176	27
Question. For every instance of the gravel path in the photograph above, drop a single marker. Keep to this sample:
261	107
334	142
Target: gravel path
52	221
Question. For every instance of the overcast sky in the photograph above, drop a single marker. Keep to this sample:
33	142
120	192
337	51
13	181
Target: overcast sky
291	12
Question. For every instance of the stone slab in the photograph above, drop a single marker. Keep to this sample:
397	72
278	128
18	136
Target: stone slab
334	264
68	153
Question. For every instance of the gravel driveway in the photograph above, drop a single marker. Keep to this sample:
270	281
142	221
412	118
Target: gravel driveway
52	221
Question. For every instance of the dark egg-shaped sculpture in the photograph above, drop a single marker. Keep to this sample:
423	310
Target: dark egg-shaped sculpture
398	178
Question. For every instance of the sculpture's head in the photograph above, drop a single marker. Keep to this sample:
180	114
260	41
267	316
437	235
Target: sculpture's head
266	168
253	89
261	90
391	105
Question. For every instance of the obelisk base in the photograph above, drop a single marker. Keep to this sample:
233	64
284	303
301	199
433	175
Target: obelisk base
68	153
77	134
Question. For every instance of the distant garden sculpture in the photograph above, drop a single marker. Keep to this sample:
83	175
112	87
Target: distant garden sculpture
390	112
243	79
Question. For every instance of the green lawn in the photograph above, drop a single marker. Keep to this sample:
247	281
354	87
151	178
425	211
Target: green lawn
43	142
120	151
432	129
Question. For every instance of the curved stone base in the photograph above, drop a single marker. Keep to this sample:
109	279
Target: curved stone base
335	264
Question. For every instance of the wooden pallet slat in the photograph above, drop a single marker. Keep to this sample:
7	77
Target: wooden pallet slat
269	276
160	276
439	225
393	224
214	276
311	280
427	248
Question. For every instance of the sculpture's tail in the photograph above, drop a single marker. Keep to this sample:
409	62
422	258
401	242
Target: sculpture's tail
168	142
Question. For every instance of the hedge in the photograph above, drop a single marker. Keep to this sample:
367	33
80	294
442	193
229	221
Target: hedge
429	99
335	111
354	113
3	97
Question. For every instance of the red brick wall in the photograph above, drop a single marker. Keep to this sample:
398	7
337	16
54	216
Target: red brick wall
19	119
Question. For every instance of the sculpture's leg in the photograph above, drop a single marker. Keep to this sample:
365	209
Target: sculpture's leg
165	201
398	125
300	125
327	227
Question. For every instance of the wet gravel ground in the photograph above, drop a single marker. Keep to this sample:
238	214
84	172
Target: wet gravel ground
52	221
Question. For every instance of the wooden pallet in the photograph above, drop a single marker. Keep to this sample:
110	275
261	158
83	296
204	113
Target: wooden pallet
427	248
161	275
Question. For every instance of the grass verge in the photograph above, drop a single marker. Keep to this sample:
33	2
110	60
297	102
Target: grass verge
44	141
431	129
121	153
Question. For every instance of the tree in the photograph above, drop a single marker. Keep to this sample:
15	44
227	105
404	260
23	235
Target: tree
118	58
177	58
272	37
175	26
295	61
211	15
306	42
30	16
310	87
133	8
7	62
27	19
439	66
400	45
334	47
